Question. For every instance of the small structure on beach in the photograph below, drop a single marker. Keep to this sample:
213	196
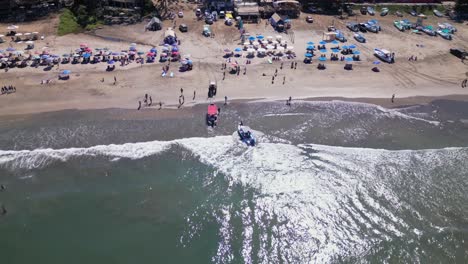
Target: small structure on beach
170	37
154	24
247	11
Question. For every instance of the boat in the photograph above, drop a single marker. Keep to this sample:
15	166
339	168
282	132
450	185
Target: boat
384	11
384	55
245	135
429	30
437	13
359	37
370	10
212	115
353	26
340	36
371	28
444	33
448	26
399	25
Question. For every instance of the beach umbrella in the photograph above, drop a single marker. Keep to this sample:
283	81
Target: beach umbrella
76	55
12	27
44	57
356	52
290	48
323	51
153	50
308	55
66	72
150	54
349	59
322	59
322	42
237	49
29	42
227	50
165	48
280	48
83	45
18	34
335	42
345	47
269	38
310	47
250	50
189	61
27	34
175	49
261	50
110	62
86	55
251	38
246	43
133	44
10	49
260	37
310	43
65	55
335	50
175	53
105	48
115	53
279	37
140	53
376	62
352	46
132	48
131	52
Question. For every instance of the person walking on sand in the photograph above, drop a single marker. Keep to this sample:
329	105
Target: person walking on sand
181	91
194	94
115	80
139	105
284	79
463	84
225	100
295	65
292	64
160	105
224	75
150	101
393	98
290	99
245	70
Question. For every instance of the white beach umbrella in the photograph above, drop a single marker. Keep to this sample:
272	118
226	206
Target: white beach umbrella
283	42
280	48
269	38
279	37
12	27
290	48
27	34
29	42
270	47
250	50
18	34
133	44
246	43
261	50
35	33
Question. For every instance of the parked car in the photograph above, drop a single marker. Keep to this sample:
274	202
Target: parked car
209	20
371	28
384	11
309	19
370	10
413	13
183	28
222	14
398	14
340	36
459	53
180	14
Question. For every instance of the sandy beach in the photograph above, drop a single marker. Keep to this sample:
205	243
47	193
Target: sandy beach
435	74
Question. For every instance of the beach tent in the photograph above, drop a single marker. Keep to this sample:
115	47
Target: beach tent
154	24
329	36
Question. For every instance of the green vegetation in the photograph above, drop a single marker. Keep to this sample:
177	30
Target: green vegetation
68	23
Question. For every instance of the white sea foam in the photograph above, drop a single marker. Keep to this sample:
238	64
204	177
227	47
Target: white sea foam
313	202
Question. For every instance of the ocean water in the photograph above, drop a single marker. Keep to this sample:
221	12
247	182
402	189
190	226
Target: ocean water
329	182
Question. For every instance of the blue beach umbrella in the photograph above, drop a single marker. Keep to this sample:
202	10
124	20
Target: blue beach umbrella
345	47
322	59
349	59
44	57
376	62
310	47
10	49
308	55
115	53
323	51
352	46
110	62
310	43
175	49
237	49
251	38
356	52
140	53
335	50
66	72
86	55
260	37
335	42
322	42
153	50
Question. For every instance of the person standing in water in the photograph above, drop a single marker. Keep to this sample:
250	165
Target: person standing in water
194	94
225	100
393	98
139	105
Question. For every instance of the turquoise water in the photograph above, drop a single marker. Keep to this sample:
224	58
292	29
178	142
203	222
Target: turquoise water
197	196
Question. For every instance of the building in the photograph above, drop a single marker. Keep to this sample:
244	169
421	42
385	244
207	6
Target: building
21	10
247	11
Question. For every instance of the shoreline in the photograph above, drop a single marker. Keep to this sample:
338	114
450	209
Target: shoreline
174	112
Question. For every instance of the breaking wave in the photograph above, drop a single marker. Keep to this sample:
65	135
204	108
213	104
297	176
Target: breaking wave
312	203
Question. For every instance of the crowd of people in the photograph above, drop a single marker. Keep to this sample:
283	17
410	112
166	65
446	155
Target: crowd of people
8	89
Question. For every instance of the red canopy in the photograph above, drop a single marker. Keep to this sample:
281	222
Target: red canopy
212	109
